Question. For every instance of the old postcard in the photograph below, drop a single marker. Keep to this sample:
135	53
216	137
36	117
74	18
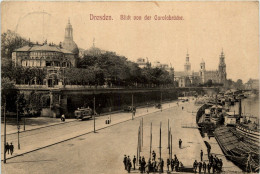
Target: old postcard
129	87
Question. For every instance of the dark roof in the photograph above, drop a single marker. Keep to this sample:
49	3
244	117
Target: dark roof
45	47
24	48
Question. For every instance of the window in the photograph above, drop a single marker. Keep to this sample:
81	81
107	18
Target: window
48	63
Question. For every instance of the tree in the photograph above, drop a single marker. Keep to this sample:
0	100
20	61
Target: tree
209	83
9	42
239	84
8	94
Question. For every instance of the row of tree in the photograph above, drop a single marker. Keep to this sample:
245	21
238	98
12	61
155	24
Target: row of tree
108	68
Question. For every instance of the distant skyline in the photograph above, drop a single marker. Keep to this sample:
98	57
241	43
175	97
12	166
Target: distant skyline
206	29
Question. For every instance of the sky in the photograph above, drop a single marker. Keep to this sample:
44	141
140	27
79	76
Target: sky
206	29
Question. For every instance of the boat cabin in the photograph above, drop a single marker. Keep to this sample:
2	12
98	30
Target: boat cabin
230	119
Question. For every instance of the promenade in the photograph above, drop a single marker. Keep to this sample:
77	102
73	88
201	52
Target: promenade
54	131
76	149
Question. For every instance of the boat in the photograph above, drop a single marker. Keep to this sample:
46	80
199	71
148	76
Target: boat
238	147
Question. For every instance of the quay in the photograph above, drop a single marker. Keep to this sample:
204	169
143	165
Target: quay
103	152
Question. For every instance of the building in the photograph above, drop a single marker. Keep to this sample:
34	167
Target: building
94	51
68	42
188	78
217	76
143	63
50	57
43	56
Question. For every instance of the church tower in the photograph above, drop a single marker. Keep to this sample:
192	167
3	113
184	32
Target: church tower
187	65
222	69
69	31
202	71
68	42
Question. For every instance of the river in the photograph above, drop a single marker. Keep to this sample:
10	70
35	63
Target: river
250	106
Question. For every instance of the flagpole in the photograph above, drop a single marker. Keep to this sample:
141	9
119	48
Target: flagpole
151	141
171	145
160	145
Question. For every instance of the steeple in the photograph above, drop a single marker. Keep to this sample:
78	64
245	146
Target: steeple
68	42
222	68
187	57
187	65
69	31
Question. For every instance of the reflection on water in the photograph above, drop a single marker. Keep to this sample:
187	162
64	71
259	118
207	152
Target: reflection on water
250	106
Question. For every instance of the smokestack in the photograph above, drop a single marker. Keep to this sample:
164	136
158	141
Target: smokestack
240	108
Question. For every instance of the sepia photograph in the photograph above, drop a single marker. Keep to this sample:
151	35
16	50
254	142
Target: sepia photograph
95	87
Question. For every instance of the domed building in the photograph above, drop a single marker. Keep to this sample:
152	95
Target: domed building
68	42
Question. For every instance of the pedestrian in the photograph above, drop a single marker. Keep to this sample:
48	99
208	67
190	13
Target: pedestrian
214	166
211	158
181	167
143	163
149	166
11	148
195	164
177	165
201	155
209	167
62	117
168	164
180	142
154	155
200	166
140	161
162	165
182	107
134	112
208	151
221	164
7	147
134	161
154	166
204	166
172	164
129	165
124	161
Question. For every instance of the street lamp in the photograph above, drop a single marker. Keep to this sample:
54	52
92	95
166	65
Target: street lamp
132	106
110	113
94	107
5	132
18	126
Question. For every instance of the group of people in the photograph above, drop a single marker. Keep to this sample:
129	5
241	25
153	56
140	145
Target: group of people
174	164
128	164
152	165
149	166
215	165
9	148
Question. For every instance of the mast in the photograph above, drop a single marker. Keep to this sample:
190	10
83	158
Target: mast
137	155
151	135
169	132
171	146
160	143
140	139
168	135
132	106
142	132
